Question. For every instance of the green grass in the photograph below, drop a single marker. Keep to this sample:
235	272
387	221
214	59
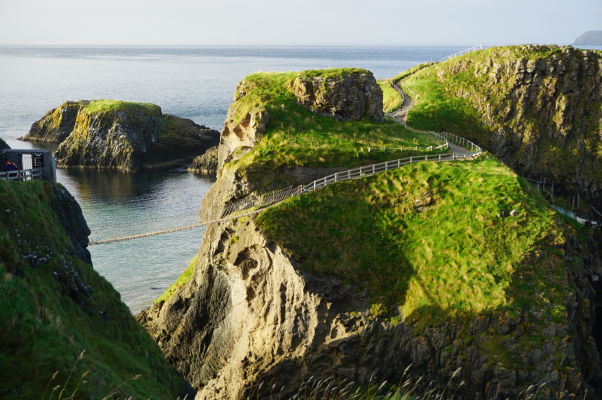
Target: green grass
45	323
183	278
103	106
298	137
464	95
392	100
426	238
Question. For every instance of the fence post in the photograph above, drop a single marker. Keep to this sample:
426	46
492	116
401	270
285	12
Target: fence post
314	185
410	159
439	157
373	169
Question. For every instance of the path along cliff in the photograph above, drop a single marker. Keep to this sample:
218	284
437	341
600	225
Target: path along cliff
422	265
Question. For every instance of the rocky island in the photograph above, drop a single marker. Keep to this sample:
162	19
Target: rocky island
461	270
120	135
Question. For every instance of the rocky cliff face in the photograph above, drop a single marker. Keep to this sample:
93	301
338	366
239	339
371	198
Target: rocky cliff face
57	124
346	95
119	135
539	108
3	145
251	319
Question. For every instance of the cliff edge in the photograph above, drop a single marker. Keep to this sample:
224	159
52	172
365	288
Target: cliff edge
63	328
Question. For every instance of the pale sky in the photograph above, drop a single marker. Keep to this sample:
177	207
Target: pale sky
296	22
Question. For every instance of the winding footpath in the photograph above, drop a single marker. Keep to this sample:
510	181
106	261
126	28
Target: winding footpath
460	149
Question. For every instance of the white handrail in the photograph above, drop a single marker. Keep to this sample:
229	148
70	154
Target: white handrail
21	174
474	48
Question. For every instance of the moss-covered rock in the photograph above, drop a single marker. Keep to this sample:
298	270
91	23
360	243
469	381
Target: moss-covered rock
121	135
345	94
538	108
57	124
63	328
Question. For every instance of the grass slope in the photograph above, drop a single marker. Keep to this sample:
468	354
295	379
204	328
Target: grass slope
392	100
298	137
45	325
427	238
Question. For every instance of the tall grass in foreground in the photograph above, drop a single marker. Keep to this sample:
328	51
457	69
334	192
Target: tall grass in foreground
409	388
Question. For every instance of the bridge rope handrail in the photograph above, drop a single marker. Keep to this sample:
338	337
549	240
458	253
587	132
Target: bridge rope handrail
254	204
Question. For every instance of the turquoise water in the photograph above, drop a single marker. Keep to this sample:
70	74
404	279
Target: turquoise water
195	83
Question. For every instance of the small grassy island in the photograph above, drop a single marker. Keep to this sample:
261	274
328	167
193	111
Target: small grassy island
122	135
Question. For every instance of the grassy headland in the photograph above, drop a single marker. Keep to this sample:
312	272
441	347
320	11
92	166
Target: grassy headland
53	306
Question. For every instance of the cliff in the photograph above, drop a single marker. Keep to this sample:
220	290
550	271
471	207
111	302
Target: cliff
3	145
538	108
590	38
423	266
63	328
121	135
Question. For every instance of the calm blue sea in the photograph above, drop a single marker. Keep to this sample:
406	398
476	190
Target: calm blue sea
195	83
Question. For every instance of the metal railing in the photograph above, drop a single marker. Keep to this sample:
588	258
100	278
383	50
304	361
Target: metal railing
414	148
474	48
21	174
253	204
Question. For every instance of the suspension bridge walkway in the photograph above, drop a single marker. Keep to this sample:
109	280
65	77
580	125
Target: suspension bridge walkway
460	149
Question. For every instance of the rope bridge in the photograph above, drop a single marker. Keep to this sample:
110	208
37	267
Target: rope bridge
250	205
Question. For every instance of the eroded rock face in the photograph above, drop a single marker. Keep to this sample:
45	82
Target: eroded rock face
249	316
57	124
240	136
350	96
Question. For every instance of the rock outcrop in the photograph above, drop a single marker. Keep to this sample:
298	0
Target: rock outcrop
57	124
121	135
346	95
3	145
206	163
538	108
243	127
251	320
61	323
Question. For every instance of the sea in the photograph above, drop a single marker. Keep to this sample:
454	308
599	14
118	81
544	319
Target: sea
193	82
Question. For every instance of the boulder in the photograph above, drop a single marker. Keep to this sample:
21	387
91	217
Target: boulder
205	164
345	95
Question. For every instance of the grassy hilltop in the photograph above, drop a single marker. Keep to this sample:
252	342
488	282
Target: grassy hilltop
296	136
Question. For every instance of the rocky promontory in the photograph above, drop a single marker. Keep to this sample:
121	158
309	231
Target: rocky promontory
425	266
120	135
538	108
349	95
